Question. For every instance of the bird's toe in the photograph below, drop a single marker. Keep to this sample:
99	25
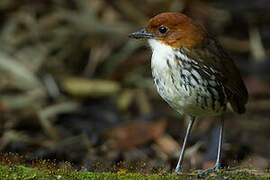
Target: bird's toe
207	171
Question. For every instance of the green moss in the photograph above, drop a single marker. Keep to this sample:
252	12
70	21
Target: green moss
13	167
20	172
24	173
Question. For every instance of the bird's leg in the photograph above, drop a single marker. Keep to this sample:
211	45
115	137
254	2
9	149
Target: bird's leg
181	157
217	165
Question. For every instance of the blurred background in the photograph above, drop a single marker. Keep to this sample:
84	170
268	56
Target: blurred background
74	88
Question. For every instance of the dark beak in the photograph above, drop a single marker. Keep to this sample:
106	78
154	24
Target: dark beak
141	34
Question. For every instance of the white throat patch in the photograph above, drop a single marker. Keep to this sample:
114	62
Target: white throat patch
161	52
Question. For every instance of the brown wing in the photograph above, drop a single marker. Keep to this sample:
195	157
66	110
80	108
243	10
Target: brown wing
212	55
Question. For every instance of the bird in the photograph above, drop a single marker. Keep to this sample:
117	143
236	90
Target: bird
192	73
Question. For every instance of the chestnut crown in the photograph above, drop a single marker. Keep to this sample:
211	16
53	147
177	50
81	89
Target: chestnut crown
174	29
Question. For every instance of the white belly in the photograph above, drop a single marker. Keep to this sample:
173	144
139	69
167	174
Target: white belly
174	89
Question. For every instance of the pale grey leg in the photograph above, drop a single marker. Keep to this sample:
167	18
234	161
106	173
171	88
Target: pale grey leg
181	157
220	142
217	165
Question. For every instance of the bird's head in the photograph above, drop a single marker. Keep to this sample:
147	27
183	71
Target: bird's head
173	29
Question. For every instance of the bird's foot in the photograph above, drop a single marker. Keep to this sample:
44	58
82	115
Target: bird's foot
178	171
207	171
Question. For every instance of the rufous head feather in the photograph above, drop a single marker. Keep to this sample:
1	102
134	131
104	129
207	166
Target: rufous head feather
174	29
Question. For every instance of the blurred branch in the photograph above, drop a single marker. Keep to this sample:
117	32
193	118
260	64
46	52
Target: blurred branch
88	23
117	58
256	45
23	78
52	111
90	88
34	97
232	44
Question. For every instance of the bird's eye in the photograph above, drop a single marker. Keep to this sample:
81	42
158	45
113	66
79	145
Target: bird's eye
162	29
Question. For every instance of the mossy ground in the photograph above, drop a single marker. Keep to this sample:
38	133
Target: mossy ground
13	167
25	173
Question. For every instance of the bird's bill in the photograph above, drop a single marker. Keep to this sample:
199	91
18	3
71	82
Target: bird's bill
141	34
